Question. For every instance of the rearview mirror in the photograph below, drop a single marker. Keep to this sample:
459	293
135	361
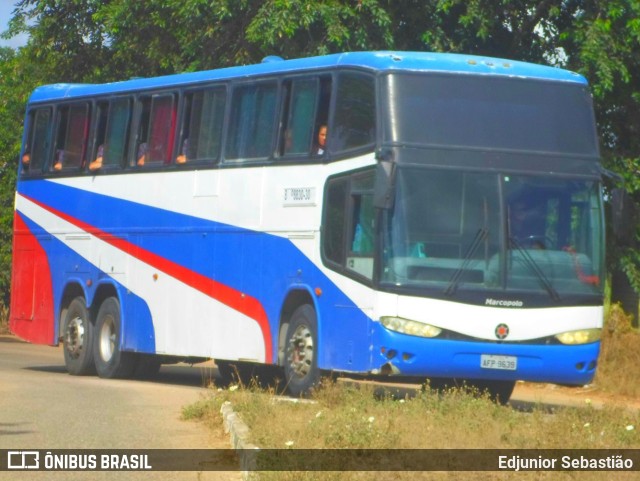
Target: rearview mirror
384	185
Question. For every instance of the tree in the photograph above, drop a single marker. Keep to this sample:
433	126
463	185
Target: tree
15	85
106	40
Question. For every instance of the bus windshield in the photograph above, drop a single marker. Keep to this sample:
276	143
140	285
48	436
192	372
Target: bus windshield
451	231
488	112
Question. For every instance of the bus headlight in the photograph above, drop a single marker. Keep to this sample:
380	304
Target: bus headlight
407	326
583	336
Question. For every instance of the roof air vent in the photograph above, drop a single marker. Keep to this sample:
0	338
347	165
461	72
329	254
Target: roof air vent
272	58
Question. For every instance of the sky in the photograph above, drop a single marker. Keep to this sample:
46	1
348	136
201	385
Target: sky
6	9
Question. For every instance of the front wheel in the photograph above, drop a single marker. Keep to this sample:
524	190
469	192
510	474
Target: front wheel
110	361
301	356
77	338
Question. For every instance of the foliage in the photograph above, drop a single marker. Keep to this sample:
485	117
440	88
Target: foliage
107	40
16	81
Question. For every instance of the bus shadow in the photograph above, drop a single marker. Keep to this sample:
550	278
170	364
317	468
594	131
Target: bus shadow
408	390
177	375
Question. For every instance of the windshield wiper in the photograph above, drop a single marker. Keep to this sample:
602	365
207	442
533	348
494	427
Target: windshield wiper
528	260
456	278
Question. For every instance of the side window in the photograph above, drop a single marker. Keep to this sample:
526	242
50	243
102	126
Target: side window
156	130
71	137
38	141
362	216
348	223
355	116
305	113
203	118
301	100
112	133
333	222
252	122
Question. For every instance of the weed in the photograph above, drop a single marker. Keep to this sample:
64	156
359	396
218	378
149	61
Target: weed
619	363
347	415
4	318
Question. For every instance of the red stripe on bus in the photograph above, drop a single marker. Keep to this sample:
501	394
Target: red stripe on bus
241	302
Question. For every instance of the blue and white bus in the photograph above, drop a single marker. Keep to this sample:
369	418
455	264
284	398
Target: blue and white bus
450	227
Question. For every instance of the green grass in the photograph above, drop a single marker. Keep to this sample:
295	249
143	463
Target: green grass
356	415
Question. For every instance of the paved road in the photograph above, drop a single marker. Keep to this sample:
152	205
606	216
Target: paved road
42	407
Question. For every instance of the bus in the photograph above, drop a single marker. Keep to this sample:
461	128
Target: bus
381	214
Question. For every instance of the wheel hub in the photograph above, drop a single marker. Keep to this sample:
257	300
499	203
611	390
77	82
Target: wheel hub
107	342
301	351
74	338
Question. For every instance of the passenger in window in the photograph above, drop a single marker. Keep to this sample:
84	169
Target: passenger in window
143	154
184	153
97	163
57	166
362	240
319	148
288	141
26	159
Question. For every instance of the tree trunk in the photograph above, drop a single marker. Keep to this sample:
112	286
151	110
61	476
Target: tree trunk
623	292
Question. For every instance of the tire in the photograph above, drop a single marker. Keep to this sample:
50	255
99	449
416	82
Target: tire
301	371
110	361
78	339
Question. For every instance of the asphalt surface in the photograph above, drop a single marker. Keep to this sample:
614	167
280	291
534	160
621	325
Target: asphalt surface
43	407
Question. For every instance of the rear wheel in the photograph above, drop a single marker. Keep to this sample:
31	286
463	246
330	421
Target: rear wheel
77	338
301	356
110	361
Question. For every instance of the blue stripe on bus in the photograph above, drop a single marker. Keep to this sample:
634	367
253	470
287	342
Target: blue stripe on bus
267	267
69	267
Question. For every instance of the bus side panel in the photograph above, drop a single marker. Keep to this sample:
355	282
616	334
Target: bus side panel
74	260
32	308
191	285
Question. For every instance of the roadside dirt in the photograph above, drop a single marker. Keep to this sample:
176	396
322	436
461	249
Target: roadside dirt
553	394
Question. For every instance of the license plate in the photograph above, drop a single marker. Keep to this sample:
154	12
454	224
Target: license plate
508	363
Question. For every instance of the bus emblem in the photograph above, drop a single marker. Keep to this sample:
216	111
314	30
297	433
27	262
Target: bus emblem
502	331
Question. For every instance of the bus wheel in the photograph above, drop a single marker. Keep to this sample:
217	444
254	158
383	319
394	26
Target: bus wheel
110	361
78	339
301	361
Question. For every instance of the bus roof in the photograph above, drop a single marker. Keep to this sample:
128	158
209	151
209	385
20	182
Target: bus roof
374	61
